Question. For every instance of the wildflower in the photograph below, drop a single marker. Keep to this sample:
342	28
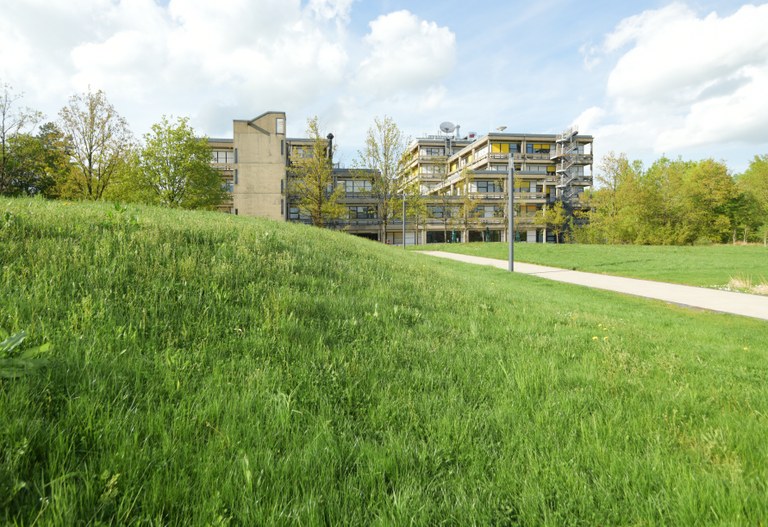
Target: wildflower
594	338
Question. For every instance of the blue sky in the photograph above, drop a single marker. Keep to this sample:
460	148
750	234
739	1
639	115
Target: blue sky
646	78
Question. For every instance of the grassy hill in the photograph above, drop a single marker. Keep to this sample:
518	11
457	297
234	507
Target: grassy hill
210	369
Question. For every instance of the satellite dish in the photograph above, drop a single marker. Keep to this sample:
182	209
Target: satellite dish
447	127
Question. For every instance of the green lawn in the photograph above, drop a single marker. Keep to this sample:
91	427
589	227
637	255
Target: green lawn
209	369
707	266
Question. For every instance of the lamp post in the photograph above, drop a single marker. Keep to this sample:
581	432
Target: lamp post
511	214
403	220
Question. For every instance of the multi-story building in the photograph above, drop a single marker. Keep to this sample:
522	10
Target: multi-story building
465	182
461	181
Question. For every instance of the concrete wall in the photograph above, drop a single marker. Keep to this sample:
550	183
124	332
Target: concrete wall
260	163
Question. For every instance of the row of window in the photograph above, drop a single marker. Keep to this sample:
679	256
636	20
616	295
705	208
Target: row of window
366	212
362	212
433	169
223	156
483	186
356	186
432	151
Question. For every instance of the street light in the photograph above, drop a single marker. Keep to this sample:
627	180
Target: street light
403	220
511	205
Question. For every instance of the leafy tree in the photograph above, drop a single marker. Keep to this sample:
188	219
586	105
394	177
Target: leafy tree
467	213
312	182
176	166
129	184
673	202
754	182
383	154
99	139
36	164
554	219
415	204
745	215
613	209
14	120
445	204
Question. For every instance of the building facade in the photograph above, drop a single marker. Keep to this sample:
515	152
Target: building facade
454	187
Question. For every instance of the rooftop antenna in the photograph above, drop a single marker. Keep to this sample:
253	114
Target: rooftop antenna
447	127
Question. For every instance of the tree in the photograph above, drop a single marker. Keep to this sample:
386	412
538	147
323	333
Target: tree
36	164
445	210
468	213
312	183
613	209
13	121
554	219
383	154
415	205
99	139
176	166
754	182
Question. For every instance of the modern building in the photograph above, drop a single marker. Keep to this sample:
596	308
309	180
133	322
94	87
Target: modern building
461	182
465	182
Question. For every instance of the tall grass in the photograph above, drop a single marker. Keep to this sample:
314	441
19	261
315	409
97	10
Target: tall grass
210	369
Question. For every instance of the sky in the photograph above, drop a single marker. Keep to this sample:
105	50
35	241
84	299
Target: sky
647	78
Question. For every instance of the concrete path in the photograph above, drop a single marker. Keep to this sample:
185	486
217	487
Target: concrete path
744	304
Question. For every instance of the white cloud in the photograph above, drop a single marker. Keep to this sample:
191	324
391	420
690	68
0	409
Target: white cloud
405	53
684	81
188	57
231	59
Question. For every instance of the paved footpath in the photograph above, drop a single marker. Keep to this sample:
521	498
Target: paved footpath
744	304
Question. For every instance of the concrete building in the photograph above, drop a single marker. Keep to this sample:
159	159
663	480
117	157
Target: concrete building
465	182
461	181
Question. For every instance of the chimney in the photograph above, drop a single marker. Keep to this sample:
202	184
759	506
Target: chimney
329	153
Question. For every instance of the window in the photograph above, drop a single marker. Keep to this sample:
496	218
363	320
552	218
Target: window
432	169
294	214
301	151
504	148
356	186
489	211
538	148
280	125
228	186
436	211
362	212
236	178
484	186
222	157
535	169
432	151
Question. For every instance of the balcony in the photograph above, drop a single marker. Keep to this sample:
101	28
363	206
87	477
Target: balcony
531	196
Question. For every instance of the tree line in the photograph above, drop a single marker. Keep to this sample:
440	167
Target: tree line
674	202
89	152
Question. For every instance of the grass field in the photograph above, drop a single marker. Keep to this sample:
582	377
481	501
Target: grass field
209	370
707	266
